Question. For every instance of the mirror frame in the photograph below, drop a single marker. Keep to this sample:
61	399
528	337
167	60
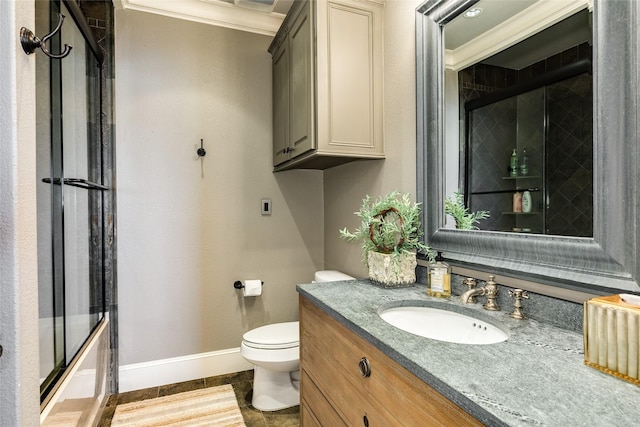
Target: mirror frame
610	260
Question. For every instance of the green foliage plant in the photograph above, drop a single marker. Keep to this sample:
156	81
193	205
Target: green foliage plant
454	206
390	225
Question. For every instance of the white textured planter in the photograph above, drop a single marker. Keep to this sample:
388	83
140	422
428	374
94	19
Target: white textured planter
392	272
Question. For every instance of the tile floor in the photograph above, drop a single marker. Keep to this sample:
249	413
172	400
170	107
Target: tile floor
242	385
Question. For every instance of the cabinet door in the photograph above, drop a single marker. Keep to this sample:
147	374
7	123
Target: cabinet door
350	81
281	104
301	97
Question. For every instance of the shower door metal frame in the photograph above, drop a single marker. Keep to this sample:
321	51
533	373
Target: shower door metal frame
58	181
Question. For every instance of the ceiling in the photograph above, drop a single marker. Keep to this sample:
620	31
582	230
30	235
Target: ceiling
516	33
246	15
462	30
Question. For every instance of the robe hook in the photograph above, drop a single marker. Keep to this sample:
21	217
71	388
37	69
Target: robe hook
201	151
30	42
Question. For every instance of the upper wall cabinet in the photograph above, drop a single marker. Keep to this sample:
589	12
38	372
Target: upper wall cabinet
327	84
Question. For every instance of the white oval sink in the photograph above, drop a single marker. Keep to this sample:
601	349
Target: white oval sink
443	325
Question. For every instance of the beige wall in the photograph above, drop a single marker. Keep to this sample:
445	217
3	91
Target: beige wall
347	185
187	230
19	379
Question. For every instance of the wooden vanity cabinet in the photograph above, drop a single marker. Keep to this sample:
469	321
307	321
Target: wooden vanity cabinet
347	381
327	84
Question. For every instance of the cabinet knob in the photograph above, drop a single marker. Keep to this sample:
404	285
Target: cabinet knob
365	367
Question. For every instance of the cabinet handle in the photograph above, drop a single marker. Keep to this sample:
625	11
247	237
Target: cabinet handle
365	367
365	421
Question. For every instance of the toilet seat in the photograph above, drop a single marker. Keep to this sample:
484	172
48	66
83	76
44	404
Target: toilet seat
273	337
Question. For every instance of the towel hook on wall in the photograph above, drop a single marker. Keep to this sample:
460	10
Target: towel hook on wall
201	151
30	42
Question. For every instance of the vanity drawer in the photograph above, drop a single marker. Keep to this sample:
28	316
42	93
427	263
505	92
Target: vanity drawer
331	355
316	411
330	361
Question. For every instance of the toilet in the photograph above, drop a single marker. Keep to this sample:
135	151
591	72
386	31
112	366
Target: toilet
274	351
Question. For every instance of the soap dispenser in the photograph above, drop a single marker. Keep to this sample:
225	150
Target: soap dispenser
439	280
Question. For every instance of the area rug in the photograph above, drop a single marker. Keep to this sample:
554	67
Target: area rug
214	406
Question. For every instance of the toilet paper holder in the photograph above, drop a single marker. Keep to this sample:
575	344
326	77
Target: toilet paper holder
238	284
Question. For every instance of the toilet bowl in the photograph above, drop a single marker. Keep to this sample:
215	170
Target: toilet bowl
274	351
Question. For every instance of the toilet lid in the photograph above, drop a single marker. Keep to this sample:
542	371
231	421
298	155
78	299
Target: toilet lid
276	335
331	276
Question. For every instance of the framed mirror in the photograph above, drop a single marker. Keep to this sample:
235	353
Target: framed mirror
605	261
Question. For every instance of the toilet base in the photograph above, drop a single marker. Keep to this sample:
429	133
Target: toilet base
274	390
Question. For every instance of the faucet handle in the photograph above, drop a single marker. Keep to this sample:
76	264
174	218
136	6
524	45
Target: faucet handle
492	291
518	295
471	283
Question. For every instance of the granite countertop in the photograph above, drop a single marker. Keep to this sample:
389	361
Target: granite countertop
535	378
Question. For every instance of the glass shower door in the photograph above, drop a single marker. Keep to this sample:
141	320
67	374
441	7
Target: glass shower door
71	289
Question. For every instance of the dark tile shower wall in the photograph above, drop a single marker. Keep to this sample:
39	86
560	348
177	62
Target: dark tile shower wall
475	82
481	79
568	153
493	131
557	61
496	130
99	15
570	158
531	136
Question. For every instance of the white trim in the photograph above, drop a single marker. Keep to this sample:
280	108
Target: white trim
210	12
155	373
532	20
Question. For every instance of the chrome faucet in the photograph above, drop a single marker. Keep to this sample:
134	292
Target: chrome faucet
490	290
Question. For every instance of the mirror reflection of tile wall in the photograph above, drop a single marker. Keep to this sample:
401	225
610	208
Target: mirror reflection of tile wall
560	170
570	158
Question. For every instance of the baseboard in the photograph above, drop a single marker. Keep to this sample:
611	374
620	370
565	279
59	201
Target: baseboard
155	373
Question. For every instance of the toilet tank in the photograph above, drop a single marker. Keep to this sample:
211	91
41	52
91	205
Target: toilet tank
331	276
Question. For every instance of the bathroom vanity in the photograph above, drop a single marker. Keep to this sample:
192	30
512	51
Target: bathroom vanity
365	384
356	369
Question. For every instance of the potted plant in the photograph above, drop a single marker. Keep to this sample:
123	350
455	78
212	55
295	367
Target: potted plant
391	236
454	206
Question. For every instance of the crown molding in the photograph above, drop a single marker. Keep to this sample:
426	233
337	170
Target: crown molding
211	12
532	20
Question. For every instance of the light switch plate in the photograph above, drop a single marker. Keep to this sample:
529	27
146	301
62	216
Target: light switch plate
265	208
